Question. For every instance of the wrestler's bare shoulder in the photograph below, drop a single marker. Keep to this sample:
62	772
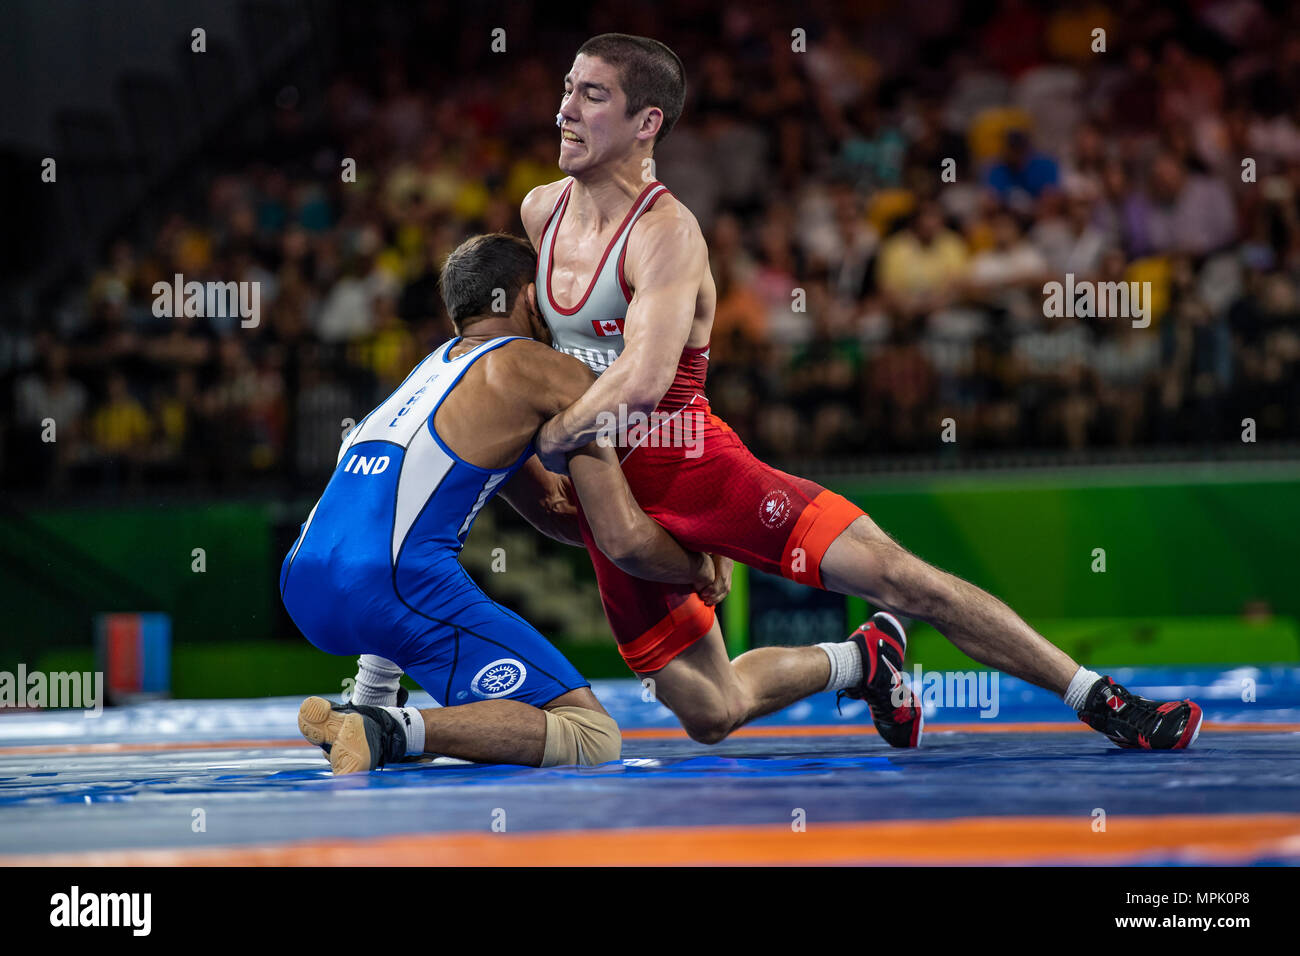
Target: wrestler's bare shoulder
539	202
666	228
672	214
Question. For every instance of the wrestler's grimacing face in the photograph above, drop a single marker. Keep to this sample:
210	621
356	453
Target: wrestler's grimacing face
595	126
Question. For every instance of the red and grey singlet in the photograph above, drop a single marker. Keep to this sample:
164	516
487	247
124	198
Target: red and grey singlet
592	329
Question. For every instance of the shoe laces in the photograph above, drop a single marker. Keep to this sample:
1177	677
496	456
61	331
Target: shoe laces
1139	714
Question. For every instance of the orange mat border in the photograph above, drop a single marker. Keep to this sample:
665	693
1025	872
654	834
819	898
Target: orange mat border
1204	838
643	733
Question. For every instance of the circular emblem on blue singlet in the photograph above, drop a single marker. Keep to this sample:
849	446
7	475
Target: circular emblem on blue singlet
498	678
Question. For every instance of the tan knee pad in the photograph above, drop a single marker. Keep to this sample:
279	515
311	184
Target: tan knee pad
579	735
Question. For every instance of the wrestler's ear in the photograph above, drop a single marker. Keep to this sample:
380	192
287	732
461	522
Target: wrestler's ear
540	331
531	310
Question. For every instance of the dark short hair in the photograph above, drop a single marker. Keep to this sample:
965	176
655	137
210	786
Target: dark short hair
478	267
649	73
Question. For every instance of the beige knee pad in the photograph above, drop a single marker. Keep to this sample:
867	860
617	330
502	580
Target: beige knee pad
578	735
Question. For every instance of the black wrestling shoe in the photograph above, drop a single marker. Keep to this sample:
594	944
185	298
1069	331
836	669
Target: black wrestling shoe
1135	722
357	738
402	696
883	644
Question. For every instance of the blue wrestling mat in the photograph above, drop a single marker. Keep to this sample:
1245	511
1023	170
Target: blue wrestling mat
231	782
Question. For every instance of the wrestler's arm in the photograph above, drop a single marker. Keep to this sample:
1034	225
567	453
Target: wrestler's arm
623	532
539	496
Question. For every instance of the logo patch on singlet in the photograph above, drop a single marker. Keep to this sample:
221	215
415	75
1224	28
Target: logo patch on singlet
609	326
498	678
774	510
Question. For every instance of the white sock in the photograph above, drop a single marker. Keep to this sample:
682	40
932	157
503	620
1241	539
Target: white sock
413	723
377	681
1076	695
846	665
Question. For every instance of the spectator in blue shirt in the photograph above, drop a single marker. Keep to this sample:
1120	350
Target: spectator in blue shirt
1022	173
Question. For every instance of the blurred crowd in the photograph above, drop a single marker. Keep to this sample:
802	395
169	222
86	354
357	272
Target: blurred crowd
885	189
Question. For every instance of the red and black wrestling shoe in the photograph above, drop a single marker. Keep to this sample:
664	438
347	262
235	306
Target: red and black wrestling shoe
1133	721
896	713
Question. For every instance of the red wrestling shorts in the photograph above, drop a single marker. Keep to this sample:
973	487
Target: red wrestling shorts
705	487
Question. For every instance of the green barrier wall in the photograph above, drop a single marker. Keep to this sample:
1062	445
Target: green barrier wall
1172	546
61	565
1186	554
